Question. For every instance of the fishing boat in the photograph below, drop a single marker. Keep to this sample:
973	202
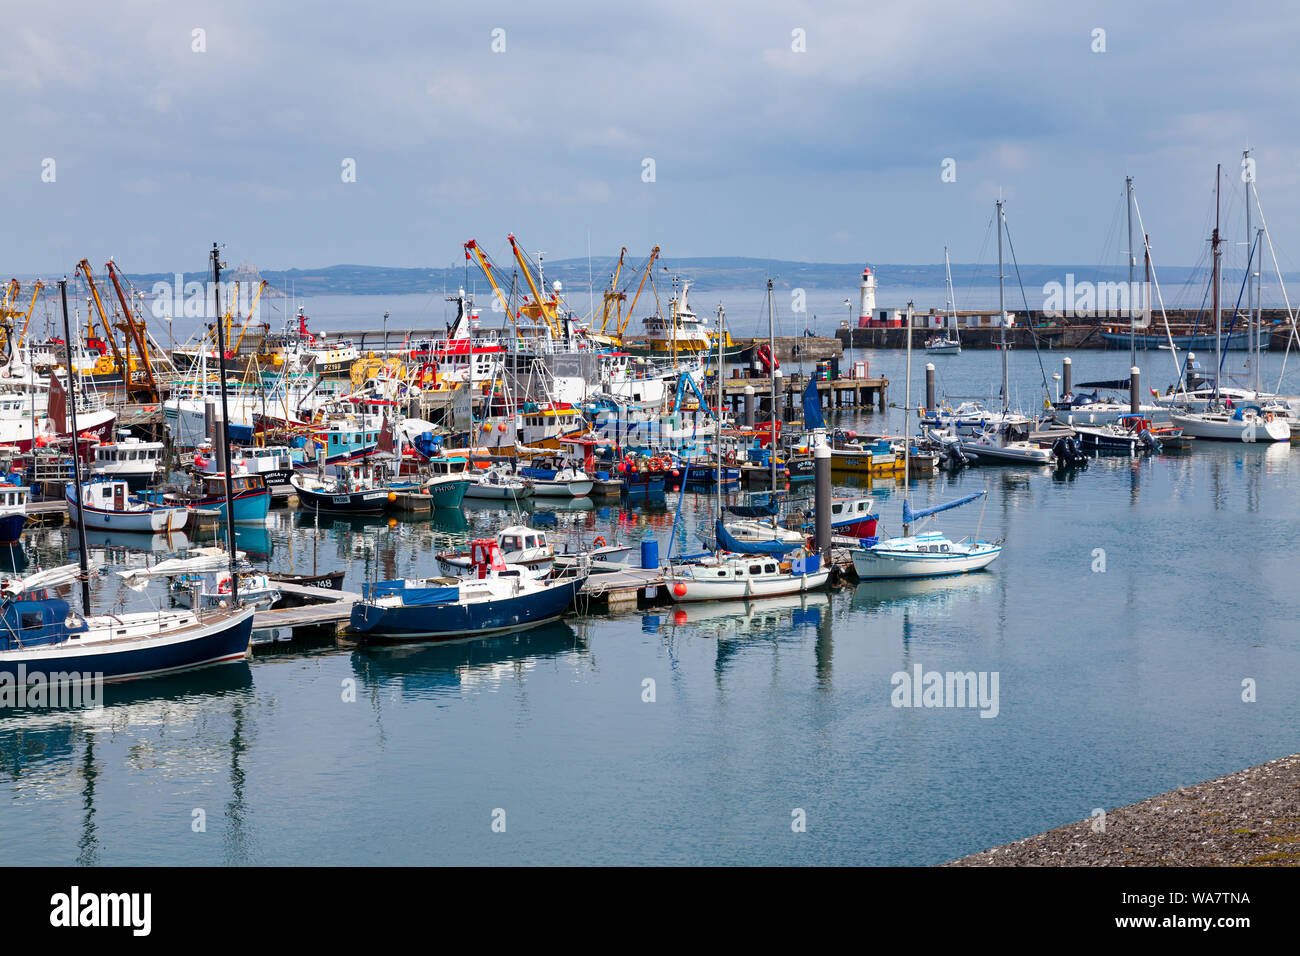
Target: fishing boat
250	498
13	511
212	589
496	600
133	460
449	481
273	462
923	555
352	489
521	547
41	636
107	505
497	484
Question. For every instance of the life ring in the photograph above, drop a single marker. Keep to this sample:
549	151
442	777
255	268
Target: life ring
223	586
656	464
599	542
1268	416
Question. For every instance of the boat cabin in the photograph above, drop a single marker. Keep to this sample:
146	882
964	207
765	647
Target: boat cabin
105	494
33	619
486	557
518	539
214	486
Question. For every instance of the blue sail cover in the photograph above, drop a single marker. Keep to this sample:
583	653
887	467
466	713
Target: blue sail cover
812	407
909	515
729	542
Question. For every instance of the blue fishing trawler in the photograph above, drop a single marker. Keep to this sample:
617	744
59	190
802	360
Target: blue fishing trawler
495	600
250	497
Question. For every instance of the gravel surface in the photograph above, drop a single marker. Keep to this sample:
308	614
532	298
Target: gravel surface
1248	818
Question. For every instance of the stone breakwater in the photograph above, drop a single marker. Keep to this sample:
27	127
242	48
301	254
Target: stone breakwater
1248	818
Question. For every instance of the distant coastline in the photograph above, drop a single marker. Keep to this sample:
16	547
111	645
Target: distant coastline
705	274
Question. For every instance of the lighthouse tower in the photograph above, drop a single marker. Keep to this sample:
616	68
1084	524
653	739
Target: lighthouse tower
867	307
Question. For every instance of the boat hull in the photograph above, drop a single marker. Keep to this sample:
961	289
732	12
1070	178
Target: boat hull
450	621
1226	428
152	521
370	502
685	590
873	565
220	642
11	526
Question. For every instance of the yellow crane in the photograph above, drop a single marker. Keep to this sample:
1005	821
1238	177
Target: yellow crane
234	349
489	269
84	267
27	319
545	308
136	332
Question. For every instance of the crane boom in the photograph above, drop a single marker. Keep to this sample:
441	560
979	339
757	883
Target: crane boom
488	267
649	266
30	307
84	266
136	333
545	308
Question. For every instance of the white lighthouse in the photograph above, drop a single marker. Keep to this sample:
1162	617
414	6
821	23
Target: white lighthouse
867	308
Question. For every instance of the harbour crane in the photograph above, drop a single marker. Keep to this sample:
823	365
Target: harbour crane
137	333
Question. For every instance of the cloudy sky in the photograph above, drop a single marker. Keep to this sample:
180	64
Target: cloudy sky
832	153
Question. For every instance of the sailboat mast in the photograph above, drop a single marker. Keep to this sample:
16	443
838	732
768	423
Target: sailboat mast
907	411
776	408
1002	309
1132	338
722	325
951	305
84	559
224	436
1218	324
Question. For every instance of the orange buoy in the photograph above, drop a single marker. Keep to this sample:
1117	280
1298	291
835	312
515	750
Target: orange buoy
679	589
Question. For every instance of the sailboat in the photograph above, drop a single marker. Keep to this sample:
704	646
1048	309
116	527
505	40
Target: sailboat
925	555
950	342
1244	423
41	637
743	569
1006	438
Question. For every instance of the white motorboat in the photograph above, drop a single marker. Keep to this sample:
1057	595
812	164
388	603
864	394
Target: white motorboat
922	556
564	482
497	484
729	577
1003	443
108	505
942	345
521	547
1245	423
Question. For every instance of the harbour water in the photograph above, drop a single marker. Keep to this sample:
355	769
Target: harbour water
1133	599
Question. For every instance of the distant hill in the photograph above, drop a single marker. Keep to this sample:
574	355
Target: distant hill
706	273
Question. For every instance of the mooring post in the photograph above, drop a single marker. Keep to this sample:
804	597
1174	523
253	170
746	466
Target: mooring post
1134	389
822	498
929	386
1067	383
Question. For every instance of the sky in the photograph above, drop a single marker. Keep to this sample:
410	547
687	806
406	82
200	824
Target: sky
807	131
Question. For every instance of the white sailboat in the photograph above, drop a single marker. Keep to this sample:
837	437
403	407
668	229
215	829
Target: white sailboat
950	342
741	570
1006	437
1217	421
924	555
